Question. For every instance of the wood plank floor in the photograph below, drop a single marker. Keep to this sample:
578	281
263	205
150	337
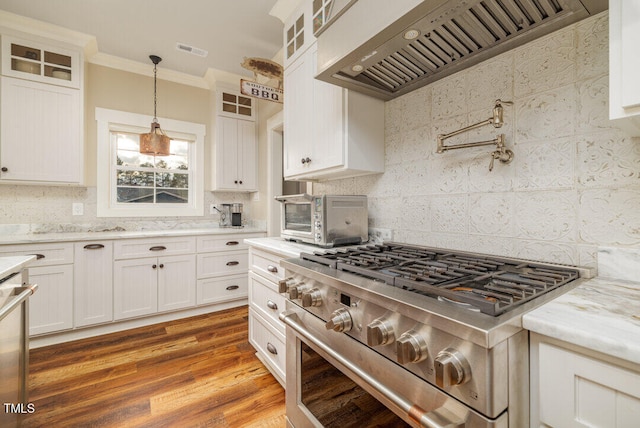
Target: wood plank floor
196	372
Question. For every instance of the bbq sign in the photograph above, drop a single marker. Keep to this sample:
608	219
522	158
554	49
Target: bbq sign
264	92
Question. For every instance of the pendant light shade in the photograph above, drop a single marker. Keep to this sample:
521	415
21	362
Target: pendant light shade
155	142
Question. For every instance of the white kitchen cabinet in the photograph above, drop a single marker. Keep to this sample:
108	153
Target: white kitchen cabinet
575	387
41	114
40	133
235	155
51	306
93	283
329	132
624	64
266	331
144	285
297	34
222	265
153	284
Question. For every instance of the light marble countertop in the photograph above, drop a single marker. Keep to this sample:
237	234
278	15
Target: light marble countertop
284	248
88	236
601	314
9	265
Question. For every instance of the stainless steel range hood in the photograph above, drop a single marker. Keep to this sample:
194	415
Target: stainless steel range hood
365	45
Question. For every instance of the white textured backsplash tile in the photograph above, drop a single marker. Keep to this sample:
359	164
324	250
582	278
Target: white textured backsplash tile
574	182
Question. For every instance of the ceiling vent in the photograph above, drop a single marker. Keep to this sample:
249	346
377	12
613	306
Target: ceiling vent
191	49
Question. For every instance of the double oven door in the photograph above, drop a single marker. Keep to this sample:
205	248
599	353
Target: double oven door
335	381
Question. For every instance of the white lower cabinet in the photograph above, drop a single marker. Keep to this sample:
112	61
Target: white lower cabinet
154	284
266	331
51	306
93	283
575	387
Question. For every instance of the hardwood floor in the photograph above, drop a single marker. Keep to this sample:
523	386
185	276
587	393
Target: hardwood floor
197	372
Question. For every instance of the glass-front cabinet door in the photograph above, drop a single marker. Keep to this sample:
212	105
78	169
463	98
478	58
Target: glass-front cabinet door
32	61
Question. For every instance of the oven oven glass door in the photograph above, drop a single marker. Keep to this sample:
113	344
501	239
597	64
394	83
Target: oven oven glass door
334	400
297	217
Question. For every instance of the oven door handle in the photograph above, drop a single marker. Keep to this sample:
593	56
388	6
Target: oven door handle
433	419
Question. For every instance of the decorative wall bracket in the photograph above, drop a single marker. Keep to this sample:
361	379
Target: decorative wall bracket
501	153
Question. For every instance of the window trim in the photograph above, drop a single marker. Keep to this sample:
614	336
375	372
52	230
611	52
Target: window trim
115	120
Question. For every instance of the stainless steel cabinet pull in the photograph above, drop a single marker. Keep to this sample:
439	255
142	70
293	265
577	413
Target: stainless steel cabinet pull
38	256
272	305
233	287
232	243
272	269
272	348
233	263
158	248
93	246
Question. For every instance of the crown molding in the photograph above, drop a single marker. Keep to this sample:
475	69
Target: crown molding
283	9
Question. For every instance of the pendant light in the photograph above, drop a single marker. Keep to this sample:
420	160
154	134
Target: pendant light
155	142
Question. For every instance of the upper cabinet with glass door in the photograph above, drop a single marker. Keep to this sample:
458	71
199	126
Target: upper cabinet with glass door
34	61
233	104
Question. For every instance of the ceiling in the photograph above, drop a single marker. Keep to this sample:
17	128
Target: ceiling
134	29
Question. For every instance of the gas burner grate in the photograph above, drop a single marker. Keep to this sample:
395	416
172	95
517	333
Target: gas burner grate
490	285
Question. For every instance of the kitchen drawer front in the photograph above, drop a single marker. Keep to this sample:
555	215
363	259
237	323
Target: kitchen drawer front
221	289
266	264
269	343
48	254
156	247
217	264
225	242
266	300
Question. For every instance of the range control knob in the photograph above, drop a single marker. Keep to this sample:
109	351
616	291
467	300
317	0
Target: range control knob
340	321
411	348
295	291
311	297
451	368
380	332
285	284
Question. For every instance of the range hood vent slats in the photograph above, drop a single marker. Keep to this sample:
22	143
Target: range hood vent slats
453	36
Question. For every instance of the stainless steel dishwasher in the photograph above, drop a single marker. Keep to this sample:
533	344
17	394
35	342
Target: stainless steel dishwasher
14	338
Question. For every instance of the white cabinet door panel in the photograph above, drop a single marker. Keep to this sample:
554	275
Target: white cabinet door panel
51	306
93	283
135	290
40	132
176	282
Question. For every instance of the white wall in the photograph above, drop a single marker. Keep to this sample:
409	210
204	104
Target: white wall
574	183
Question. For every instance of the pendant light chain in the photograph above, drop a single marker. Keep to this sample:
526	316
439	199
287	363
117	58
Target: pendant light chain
155	91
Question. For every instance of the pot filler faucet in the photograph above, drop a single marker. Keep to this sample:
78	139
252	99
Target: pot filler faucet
501	153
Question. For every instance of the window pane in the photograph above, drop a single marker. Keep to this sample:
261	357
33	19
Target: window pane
229	108
172	196
228	97
244	101
135	178
172	180
135	195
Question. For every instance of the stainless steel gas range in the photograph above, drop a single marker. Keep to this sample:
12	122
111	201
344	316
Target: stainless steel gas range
395	334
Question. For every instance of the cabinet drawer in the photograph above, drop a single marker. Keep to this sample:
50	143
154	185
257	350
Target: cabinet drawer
221	289
217	264
266	264
265	300
48	254
269	343
225	242
135	248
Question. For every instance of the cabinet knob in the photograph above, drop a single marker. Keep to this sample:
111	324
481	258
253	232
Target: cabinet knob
272	269
4	169
240	181
161	265
307	160
154	266
235	181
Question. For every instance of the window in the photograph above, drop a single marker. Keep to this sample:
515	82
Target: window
131	184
